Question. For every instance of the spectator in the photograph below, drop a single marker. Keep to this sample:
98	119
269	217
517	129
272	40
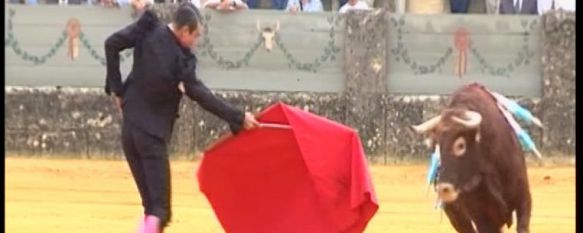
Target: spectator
70	2
492	6
196	3
568	5
138	6
252	4
342	2
518	7
459	6
295	6
426	6
278	4
225	5
108	3
353	5
546	5
275	4
121	2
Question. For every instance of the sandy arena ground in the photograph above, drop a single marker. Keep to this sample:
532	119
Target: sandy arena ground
81	196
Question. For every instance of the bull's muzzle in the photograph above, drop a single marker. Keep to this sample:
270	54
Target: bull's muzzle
446	192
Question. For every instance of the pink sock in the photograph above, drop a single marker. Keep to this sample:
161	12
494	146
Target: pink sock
151	224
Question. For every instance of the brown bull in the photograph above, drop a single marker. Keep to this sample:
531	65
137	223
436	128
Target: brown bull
482	178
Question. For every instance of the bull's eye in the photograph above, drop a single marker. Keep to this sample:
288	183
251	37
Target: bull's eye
459	146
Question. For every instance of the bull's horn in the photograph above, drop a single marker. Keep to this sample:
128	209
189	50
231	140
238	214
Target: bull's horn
428	125
277	26
473	119
258	25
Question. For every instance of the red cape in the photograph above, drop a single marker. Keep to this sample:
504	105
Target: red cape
312	178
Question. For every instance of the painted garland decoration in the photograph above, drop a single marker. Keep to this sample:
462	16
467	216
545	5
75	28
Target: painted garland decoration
74	36
463	45
328	54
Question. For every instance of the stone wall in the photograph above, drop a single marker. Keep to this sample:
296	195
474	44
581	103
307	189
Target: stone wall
59	121
82	121
365	67
559	81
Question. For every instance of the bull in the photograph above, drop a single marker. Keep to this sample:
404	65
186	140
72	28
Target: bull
482	179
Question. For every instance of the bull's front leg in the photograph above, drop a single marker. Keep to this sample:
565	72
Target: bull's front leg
486	224
458	218
500	208
523	212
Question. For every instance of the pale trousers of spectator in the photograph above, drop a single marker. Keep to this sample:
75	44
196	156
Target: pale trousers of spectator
545	5
400	6
493	6
370	3
426	6
71	2
568	5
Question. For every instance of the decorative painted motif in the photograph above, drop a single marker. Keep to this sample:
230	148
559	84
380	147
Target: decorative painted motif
267	33
74	36
73	32
328	54
461	43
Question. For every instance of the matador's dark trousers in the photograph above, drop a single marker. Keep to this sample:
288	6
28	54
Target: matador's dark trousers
147	157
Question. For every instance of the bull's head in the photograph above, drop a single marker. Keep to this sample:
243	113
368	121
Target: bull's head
457	133
267	33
